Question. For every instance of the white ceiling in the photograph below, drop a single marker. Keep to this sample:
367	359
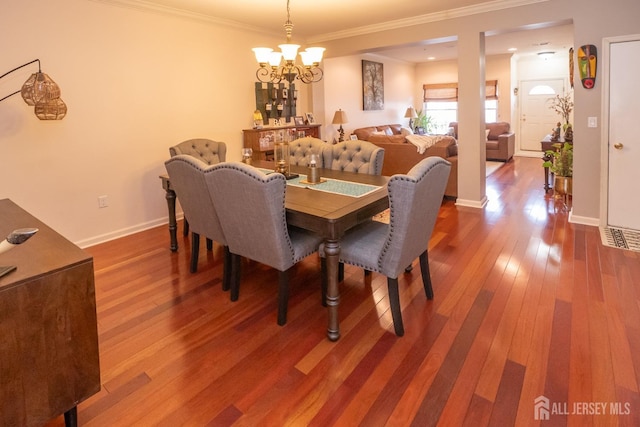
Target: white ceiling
317	20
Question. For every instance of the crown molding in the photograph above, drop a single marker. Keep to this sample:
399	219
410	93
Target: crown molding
460	12
147	6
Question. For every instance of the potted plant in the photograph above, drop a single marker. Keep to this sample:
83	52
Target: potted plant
563	105
423	121
560	163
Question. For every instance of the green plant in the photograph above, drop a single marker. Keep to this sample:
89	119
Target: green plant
423	121
561	160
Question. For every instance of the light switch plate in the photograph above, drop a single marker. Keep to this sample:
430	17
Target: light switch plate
592	122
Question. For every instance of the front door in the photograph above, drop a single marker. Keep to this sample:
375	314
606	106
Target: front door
623	142
537	120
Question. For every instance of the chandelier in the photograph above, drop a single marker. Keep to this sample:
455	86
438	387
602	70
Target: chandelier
271	69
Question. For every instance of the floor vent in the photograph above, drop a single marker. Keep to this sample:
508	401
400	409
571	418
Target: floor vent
620	238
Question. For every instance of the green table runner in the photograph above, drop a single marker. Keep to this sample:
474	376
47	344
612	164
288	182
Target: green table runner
347	188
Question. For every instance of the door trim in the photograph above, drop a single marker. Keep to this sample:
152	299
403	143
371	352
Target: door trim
604	129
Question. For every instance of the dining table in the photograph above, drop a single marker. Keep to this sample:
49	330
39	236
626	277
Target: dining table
330	208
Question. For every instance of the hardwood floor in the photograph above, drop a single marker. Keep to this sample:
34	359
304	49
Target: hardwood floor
526	305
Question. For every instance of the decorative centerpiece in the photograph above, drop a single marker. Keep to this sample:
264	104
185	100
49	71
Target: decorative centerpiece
283	159
563	105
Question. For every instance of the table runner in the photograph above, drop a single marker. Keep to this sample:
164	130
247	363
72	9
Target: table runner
347	188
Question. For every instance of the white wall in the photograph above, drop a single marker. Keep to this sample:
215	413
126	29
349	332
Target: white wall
135	83
343	89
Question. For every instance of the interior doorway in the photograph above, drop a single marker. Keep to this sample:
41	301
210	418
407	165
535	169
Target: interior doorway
621	147
536	118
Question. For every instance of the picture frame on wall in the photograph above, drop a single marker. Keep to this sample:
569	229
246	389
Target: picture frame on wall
353	137
372	85
310	119
298	120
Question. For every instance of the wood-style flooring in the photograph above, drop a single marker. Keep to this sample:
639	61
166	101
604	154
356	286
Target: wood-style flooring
527	305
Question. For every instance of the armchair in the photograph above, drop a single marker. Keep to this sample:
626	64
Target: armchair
414	200
300	150
187	178
206	150
354	156
251	209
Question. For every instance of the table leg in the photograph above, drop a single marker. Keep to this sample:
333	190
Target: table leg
71	417
332	252
547	186
173	225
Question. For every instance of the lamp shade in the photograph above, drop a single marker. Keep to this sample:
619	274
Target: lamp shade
339	118
39	88
410	113
55	109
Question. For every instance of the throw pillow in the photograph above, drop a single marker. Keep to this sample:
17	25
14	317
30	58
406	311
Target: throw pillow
378	132
388	131
405	131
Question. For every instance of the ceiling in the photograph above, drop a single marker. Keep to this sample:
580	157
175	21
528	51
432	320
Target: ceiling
318	20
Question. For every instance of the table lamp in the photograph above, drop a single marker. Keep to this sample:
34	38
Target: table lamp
411	114
339	118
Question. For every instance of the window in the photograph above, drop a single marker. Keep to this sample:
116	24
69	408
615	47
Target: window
441	104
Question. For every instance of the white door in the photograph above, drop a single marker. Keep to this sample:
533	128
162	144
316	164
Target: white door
624	143
536	118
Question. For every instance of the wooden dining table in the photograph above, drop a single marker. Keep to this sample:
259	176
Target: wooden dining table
329	214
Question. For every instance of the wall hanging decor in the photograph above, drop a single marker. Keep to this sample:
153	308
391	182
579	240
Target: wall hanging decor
587	62
372	85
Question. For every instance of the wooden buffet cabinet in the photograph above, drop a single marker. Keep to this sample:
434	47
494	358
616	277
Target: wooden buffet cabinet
49	339
263	150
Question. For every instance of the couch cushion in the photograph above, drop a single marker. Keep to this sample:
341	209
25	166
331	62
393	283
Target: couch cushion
363	133
396	139
405	131
497	129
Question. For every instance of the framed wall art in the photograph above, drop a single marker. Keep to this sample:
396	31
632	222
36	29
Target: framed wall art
372	85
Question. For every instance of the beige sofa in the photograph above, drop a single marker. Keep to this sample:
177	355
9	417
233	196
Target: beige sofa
400	155
501	141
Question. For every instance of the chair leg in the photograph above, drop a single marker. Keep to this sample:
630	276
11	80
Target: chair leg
227	273
394	303
235	277
195	249
185	230
283	296
340	272
209	244
408	268
426	274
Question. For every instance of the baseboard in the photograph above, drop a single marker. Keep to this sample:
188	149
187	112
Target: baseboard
584	220
125	232
477	204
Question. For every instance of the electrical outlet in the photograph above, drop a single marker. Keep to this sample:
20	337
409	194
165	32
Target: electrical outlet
103	202
592	122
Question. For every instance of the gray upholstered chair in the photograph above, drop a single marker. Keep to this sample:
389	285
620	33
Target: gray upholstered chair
206	150
354	156
187	179
302	148
414	201
250	205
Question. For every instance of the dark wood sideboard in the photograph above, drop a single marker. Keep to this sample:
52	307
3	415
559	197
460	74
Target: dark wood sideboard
263	150
48	330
